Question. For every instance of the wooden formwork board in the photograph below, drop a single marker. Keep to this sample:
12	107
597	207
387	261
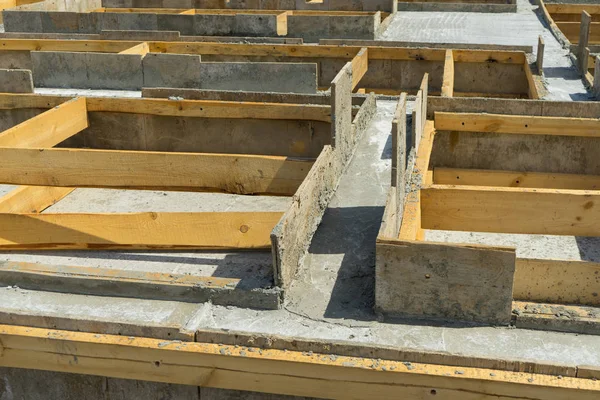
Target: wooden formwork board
488	73
305	165
322	375
528	175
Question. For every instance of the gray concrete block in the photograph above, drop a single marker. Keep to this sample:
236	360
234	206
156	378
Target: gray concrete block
15	59
171	70
114	71
225	394
353	27
140	35
89	23
128	21
255	25
59	69
16	81
214	24
261	77
176	22
309	28
60	22
87	70
22	21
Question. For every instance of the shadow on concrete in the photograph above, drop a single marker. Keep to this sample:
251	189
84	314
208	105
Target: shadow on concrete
352	232
589	248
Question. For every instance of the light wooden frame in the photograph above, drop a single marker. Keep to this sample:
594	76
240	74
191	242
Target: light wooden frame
500	201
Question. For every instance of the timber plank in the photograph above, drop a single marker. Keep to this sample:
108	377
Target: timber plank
484	177
518	124
231	173
511	210
219	230
270	370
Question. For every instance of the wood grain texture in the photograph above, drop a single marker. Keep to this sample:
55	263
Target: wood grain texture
448	79
241	174
518	124
48	128
483	177
511	210
360	65
226	230
273	371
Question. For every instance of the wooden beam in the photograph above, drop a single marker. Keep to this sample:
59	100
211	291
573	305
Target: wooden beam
411	220
48	128
532	91
44	130
557	281
211	109
271	370
511	210
32	199
573	8
448	80
360	65
225	230
482	177
518	124
141	49
584	37
230	173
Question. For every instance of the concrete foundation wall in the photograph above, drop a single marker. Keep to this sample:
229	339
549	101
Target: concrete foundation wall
325	5
510	152
313	28
16	81
457	7
87	70
132	72
73	22
204	135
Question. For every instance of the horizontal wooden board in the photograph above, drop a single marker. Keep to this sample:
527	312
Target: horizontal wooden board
519	124
212	109
511	210
231	173
483	177
272	370
219	230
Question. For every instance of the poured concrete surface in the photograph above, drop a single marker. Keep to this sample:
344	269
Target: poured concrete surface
332	298
521	28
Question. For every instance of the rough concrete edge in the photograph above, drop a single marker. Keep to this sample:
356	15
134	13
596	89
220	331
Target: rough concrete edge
425	45
353	349
11	85
547	18
291	237
155	331
129	284
383	26
556	317
458	7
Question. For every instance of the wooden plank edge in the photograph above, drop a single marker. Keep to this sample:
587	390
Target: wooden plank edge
269	370
98	281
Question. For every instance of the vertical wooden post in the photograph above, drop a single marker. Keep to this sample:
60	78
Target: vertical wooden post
584	37
540	56
448	81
